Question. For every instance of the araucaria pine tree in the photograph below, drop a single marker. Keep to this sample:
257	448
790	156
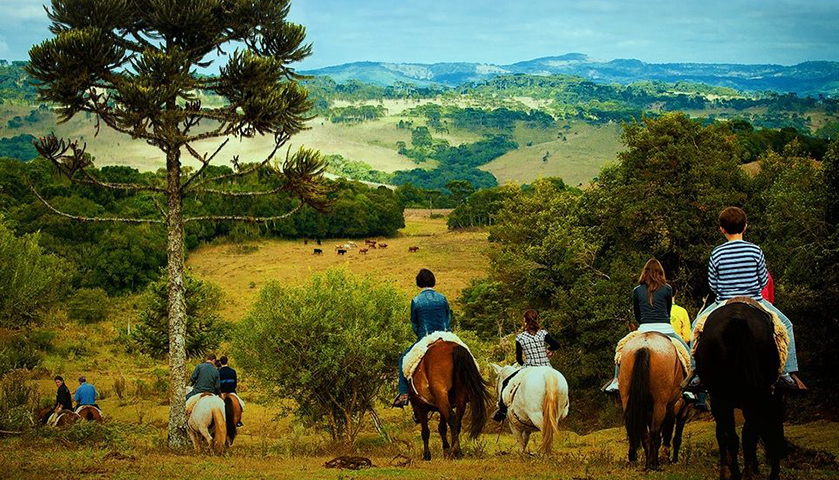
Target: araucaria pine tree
133	65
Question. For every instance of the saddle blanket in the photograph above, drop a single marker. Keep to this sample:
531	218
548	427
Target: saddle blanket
780	332
414	356
681	351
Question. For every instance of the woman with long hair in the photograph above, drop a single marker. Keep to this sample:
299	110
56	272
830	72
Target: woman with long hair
652	301
534	347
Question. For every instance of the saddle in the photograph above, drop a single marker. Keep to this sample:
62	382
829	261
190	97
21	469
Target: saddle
779	330
681	351
417	352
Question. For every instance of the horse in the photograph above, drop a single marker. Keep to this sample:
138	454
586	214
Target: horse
537	399
738	361
89	413
205	411
232	415
650	381
445	381
56	417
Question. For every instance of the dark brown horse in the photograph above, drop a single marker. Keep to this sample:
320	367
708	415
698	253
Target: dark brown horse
738	361
232	415
445	381
650	388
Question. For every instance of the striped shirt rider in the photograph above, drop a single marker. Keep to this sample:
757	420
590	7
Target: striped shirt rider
737	268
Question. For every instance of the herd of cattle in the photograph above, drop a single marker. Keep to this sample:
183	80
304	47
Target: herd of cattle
343	248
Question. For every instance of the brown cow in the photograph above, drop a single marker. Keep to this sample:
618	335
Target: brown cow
413	249
363	251
382	245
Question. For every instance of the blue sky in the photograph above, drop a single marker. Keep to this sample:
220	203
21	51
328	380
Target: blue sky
506	31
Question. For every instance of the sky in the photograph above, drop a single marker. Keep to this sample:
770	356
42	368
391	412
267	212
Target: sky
506	31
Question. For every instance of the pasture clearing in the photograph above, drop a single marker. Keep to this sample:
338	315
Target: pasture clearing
577	160
455	257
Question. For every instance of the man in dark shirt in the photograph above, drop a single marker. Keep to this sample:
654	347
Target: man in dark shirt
227	377
205	377
63	398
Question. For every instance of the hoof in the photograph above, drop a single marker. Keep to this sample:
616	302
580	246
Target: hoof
426	456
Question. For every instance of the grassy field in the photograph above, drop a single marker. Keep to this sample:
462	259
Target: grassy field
576	160
131	444
454	257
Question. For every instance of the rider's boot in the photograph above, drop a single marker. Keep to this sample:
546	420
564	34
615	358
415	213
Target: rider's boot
694	384
401	401
500	413
611	387
790	381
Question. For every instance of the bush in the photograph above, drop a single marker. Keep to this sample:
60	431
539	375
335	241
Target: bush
18	398
31	281
330	346
89	305
24	349
205	330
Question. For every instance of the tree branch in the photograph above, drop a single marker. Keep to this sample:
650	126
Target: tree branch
134	187
279	141
236	218
89	219
205	162
230	193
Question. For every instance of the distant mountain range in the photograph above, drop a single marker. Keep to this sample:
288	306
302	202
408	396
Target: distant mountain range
808	78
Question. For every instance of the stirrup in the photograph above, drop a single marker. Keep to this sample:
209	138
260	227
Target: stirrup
499	415
401	401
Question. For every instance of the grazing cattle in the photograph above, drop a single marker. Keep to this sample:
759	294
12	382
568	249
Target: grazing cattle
318	251
413	249
371	243
363	251
351	244
305	241
382	245
318	242
342	251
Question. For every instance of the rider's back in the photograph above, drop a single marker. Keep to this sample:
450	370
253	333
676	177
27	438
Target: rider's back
430	312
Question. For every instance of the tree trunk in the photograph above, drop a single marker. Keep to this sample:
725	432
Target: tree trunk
177	303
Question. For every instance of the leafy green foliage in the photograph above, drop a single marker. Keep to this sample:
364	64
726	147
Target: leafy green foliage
331	346
19	147
481	207
32	280
18	399
205	330
88	305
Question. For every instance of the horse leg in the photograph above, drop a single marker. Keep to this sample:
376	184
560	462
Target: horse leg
681	418
426	434
443	435
667	435
455	422
196	440
773	433
727	439
750	439
525	436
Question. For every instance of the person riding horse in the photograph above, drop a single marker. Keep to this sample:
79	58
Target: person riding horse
652	301
430	312
534	347
205	378
62	396
737	268
85	394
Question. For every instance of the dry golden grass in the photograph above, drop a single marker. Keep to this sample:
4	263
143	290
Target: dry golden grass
454	257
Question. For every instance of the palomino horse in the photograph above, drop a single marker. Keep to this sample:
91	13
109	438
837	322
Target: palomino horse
445	381
650	381
738	361
537	399
232	414
207	410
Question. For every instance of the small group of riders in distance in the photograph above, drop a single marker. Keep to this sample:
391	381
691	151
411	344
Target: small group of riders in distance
737	272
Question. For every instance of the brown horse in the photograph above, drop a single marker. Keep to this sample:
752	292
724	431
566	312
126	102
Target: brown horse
445	381
60	418
650	389
232	415
89	413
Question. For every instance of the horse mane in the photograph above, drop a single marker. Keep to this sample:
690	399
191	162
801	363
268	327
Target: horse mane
470	377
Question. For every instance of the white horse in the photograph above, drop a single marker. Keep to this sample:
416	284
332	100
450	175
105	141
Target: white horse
204	411
536	399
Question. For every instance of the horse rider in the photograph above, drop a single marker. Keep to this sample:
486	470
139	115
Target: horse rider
430	312
652	301
737	268
680	319
227	379
534	347
85	394
205	378
62	397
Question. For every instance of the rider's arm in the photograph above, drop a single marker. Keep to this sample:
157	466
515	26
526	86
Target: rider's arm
519	354
762	273
194	377
414	325
636	305
448	317
552	343
712	277
669	303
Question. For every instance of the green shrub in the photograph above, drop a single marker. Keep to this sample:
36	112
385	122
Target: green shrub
331	346
89	305
24	349
18	398
205	330
31	280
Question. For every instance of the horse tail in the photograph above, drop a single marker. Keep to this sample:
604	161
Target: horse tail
550	414
219	430
229	417
471	379
743	354
639	402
